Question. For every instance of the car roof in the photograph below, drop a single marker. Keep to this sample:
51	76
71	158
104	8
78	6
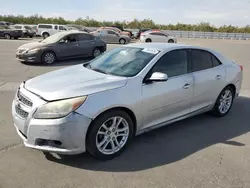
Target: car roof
74	32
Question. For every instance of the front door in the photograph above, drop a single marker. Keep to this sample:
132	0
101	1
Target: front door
209	78
165	101
69	47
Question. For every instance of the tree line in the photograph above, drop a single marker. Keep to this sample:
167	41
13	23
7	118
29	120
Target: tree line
135	24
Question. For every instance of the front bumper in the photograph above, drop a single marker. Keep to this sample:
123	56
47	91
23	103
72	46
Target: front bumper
63	136
25	57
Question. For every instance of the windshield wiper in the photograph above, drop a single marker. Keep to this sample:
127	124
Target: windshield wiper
98	70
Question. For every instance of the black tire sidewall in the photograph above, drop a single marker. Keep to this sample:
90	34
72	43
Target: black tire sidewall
170	41
94	52
7	35
43	60
94	128
148	40
122	41
216	110
45	35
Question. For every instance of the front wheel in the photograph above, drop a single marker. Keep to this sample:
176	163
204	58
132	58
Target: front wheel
171	41
48	58
109	134
224	102
7	36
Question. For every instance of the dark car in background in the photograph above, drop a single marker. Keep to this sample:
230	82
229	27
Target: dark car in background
62	45
10	33
27	30
124	30
141	31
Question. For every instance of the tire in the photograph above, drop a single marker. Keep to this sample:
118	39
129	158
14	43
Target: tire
48	57
224	99
7	36
122	41
96	52
148	40
171	41
30	36
45	35
107	137
15	38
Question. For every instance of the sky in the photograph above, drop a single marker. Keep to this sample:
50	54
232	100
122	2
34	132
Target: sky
216	12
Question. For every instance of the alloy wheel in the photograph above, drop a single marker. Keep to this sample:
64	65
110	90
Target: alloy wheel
226	100
49	58
112	135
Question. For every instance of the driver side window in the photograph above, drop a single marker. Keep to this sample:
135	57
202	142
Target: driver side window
70	39
173	63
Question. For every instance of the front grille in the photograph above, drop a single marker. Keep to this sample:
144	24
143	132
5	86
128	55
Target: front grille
21	112
23	99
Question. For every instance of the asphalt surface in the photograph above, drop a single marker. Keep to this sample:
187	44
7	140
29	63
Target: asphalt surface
202	151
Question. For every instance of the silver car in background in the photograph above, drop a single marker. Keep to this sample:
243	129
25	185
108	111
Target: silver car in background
100	106
110	36
157	36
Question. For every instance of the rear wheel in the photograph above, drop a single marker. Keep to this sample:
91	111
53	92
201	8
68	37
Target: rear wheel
45	35
96	52
148	40
48	57
224	102
122	41
109	134
7	36
171	41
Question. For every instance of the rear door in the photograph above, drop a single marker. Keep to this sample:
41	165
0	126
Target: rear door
1	31
113	37
209	76
69	47
158	37
86	44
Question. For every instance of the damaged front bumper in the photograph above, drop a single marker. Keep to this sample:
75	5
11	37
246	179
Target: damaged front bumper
63	136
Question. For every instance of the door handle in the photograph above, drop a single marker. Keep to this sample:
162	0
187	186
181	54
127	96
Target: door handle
186	86
218	77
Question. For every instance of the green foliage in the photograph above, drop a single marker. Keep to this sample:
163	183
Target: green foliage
135	24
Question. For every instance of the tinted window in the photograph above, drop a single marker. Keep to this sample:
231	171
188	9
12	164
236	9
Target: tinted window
173	63
158	34
216	62
84	37
18	27
56	27
111	32
201	60
62	28
45	26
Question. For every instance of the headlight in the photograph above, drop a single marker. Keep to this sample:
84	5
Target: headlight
35	50
59	109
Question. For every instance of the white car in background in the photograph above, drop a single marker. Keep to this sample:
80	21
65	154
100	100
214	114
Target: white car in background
46	30
157	36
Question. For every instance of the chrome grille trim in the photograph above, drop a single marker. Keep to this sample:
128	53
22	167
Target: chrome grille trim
24	99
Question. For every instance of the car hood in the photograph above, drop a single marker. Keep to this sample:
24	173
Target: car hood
33	45
72	82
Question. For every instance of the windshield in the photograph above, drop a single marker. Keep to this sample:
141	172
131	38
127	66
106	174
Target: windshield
124	61
54	38
27	27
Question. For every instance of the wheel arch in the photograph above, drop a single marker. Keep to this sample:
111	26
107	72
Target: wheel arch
125	109
233	87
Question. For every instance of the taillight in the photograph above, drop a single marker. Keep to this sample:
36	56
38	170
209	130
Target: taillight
241	67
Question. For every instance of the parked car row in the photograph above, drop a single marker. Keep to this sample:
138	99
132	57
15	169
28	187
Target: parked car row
10	33
62	45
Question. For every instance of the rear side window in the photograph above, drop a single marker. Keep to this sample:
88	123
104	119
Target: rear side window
56	27
111	32
173	63
45	26
158	34
201	60
85	37
215	60
62	28
18	27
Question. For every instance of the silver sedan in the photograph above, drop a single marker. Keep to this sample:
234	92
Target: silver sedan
99	107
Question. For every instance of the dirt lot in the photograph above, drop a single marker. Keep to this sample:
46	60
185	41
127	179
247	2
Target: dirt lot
199	152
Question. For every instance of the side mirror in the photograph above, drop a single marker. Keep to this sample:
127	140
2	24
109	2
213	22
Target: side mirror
158	77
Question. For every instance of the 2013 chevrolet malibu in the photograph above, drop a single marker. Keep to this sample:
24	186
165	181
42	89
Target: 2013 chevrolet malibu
62	45
100	106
